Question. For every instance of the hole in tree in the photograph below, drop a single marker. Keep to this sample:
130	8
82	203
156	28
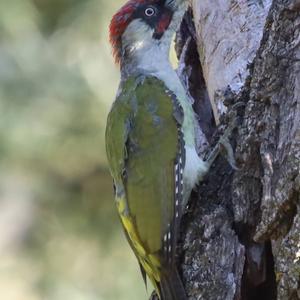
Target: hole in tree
265	290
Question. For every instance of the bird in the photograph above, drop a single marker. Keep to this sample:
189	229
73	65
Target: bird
151	140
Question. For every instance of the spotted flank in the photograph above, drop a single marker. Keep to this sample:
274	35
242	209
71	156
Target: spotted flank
171	236
179	167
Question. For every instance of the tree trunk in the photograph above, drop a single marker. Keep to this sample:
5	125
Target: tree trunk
241	234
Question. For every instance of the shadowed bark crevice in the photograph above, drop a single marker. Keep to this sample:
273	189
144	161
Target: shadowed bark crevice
192	74
262	287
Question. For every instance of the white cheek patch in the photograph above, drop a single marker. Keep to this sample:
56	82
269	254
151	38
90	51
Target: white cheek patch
136	36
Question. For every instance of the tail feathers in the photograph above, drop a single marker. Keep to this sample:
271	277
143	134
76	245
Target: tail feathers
171	286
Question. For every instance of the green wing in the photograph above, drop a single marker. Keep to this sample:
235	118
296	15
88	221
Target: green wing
146	156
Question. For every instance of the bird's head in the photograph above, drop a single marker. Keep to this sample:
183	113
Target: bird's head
141	25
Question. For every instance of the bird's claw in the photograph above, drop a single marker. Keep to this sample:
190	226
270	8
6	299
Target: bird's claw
229	155
224	140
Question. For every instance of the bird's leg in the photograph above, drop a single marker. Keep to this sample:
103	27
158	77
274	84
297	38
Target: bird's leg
225	143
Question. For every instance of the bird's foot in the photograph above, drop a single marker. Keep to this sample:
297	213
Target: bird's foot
223	145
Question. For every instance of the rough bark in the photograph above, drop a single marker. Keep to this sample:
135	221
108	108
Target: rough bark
241	234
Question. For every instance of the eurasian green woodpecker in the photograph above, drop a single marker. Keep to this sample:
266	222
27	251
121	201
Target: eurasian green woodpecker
150	139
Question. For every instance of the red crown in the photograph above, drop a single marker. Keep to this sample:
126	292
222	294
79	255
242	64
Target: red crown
119	24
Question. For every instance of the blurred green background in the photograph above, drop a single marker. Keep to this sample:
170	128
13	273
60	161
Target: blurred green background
60	237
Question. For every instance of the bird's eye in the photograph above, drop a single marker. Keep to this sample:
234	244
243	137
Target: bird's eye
149	11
